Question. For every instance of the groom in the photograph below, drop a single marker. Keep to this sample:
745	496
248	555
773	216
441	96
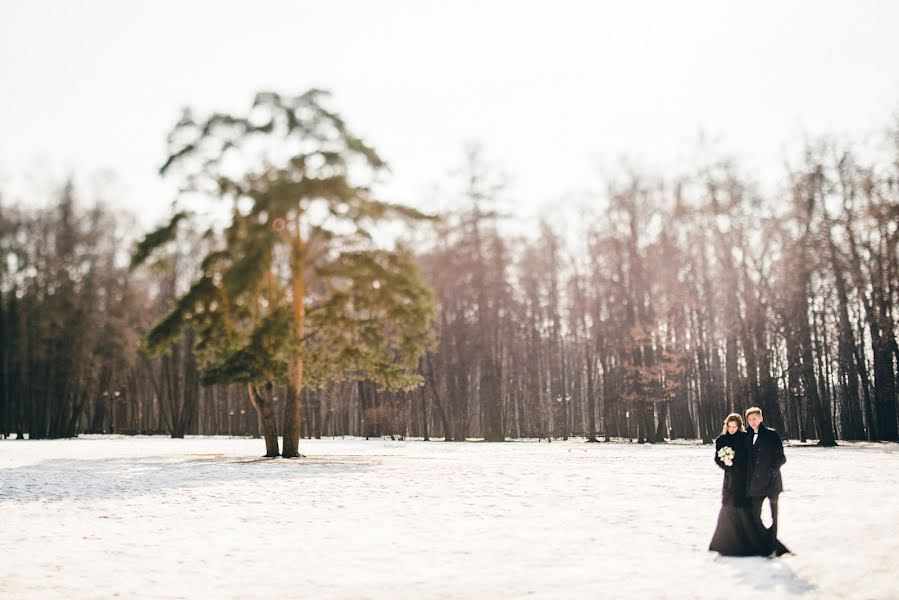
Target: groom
766	457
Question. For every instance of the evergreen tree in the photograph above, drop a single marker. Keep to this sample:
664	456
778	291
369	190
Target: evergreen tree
294	290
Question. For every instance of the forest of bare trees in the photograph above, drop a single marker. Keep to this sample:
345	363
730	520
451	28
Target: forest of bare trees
667	305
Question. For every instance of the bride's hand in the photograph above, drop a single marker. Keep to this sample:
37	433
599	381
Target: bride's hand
728	462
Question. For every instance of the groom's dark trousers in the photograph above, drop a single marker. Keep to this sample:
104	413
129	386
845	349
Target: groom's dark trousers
766	457
757	503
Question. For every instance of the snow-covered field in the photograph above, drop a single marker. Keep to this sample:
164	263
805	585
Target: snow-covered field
107	516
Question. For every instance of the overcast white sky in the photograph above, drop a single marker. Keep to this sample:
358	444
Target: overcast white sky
555	90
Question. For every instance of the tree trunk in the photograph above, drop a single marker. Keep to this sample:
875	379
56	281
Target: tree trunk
810	385
293	411
591	400
424	414
264	403
851	423
293	403
884	388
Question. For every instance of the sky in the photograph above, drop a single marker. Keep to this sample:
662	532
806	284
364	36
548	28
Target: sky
559	94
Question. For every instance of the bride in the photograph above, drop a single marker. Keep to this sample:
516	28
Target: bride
737	533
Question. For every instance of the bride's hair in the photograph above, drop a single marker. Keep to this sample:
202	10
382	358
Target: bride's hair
733	417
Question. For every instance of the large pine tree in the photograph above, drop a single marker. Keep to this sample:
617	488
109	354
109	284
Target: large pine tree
294	290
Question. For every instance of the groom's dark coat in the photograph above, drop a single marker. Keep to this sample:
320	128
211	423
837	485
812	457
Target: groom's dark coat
766	457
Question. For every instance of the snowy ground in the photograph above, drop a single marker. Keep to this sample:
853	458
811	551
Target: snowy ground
204	517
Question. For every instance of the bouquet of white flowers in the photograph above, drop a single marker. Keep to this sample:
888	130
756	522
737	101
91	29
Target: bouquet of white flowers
726	455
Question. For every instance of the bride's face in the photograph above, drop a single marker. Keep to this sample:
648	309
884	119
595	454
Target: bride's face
732	427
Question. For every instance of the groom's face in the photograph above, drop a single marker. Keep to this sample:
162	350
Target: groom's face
755	420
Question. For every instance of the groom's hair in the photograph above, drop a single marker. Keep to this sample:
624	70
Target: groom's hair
753	410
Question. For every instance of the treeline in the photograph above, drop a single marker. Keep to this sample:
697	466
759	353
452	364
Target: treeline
667	305
676	303
70	318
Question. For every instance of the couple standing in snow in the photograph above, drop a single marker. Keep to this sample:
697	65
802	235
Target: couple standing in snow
751	462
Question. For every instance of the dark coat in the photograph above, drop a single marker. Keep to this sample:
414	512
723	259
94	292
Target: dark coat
766	457
733	489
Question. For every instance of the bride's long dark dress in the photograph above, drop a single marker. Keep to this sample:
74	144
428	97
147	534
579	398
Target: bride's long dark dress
737	533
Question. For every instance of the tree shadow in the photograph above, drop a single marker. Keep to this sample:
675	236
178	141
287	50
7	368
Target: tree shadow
70	479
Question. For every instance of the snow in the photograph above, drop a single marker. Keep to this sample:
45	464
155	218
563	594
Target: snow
205	517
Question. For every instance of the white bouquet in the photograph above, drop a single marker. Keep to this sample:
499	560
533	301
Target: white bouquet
726	454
